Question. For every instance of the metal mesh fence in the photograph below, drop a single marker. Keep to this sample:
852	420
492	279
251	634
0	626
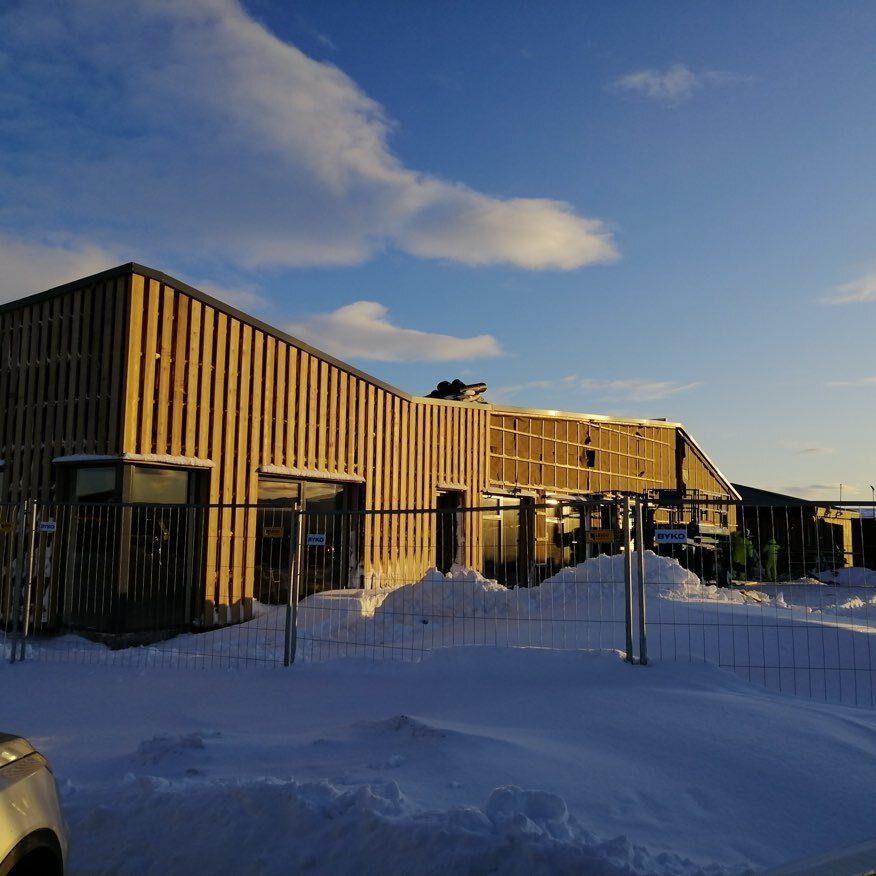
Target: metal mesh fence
784	596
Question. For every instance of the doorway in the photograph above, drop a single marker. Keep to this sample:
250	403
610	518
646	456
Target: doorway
448	530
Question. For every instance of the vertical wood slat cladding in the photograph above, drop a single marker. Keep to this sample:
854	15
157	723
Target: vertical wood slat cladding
200	382
60	363
60	367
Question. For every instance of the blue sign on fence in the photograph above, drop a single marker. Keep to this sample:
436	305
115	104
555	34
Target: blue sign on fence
670	536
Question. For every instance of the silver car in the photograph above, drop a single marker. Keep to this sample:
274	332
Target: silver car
33	836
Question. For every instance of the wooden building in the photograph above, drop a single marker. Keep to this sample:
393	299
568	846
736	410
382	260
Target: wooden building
131	387
813	537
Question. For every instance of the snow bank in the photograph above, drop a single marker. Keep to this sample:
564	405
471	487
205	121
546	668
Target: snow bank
273	827
850	577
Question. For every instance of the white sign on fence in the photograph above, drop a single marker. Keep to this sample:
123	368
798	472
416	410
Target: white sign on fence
315	539
47	526
670	536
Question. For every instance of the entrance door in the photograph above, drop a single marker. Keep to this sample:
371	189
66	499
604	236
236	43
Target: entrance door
326	534
327	543
448	530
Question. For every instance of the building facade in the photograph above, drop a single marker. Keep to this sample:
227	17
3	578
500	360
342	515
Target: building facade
130	390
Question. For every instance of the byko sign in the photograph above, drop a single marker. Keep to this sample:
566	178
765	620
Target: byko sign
670	536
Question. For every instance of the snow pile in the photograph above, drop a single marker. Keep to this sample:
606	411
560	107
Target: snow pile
849	577
664	577
460	593
283	826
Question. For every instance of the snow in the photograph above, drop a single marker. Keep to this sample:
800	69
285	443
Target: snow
465	757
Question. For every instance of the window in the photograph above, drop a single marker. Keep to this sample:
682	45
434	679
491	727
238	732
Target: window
508	537
131	553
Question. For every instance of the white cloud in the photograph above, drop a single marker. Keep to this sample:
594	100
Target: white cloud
857	291
630	389
188	129
31	266
807	448
675	84
822	492
858	381
362	330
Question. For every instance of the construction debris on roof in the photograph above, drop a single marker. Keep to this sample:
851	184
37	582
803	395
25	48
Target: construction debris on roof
456	390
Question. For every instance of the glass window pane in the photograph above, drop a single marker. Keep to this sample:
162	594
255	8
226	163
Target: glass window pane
323	497
273	491
159	486
96	483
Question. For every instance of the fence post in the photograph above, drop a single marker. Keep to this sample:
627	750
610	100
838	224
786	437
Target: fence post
290	643
628	578
26	536
640	544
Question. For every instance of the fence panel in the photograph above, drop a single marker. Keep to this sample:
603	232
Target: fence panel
786	599
784	596
527	596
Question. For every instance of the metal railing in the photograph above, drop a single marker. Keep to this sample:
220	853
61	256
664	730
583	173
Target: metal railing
783	596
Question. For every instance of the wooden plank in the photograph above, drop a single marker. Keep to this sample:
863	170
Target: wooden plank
194	369
246	419
45	475
381	489
152	304
271	402
286	395
344	421
363	434
224	415
259	411
322	426
240	578
207	392
57	420
53	372
429	479
371	500
6	402
314	426
21	339
179	398
117	401
90	321
391	462
163	365
294	393
95	428
332	426
29	381
216	418
72	383
409	521
228	405
304	405
282	414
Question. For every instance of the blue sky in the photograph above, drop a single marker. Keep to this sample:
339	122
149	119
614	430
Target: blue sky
650	210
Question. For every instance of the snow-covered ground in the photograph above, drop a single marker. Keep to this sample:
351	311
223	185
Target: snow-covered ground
466	757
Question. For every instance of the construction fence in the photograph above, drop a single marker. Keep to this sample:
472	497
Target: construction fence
784	596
